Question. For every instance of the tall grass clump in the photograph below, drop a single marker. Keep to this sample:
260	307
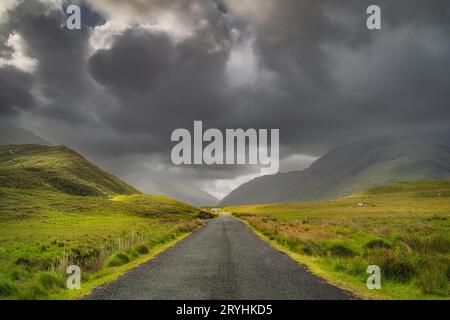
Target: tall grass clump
51	280
434	280
7	288
118	259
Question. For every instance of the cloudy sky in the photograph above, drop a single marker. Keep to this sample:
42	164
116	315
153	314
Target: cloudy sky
138	69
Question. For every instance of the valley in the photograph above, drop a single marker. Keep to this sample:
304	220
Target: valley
57	209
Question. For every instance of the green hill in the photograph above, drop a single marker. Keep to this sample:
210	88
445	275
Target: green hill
56	168
37	166
58	209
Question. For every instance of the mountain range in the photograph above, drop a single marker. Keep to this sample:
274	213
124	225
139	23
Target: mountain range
353	167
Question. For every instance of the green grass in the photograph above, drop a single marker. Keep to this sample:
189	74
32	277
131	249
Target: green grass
57	209
404	228
58	230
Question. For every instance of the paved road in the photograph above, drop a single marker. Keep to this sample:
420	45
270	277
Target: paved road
223	260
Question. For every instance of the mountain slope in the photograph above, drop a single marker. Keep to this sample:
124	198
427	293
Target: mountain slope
181	191
56	168
14	135
148	184
153	182
350	168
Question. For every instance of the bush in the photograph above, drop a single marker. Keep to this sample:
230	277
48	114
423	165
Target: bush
292	244
51	280
377	243
23	262
118	259
142	249
205	215
310	248
306	250
341	250
395	266
7	288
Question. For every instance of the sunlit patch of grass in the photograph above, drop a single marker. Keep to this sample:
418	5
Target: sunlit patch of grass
60	229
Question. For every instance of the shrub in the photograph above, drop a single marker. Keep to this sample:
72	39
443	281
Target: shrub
393	265
23	262
310	248
142	249
205	215
341	250
118	259
307	251
7	288
51	280
377	243
292	244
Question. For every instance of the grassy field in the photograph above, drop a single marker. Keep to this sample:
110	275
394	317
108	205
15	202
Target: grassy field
97	234
57	209
404	228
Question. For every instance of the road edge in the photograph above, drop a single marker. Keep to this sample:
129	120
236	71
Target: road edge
90	286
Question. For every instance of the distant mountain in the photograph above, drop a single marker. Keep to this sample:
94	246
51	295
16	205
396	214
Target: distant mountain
189	194
351	168
56	168
182	191
14	135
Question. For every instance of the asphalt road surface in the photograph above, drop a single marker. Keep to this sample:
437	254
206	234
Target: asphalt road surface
222	260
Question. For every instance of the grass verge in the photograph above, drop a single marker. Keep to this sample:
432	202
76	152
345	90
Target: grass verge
403	228
107	275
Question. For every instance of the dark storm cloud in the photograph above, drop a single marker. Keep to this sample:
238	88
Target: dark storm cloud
162	85
310	68
61	75
148	68
339	79
15	92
